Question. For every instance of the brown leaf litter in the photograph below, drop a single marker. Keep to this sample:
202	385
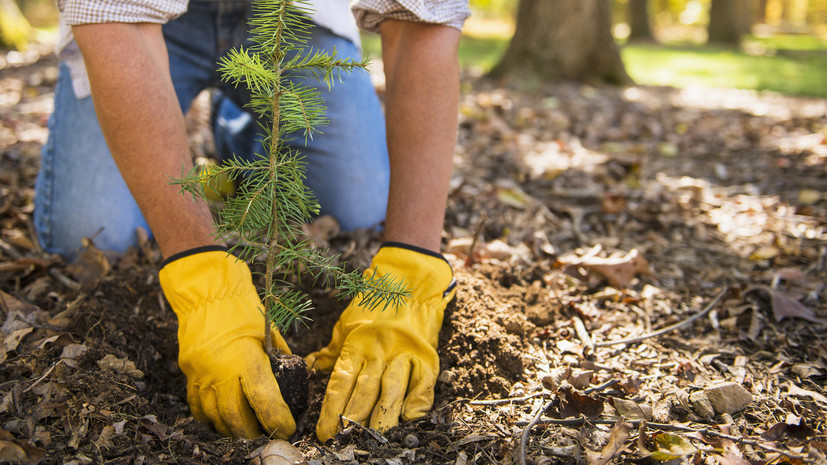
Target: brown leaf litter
582	222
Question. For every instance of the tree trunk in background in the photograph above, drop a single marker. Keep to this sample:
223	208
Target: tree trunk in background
745	11
639	30
563	40
725	26
761	14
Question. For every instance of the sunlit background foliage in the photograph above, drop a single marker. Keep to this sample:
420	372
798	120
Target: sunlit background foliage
783	47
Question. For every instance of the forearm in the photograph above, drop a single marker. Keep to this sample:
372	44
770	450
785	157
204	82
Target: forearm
422	95
143	126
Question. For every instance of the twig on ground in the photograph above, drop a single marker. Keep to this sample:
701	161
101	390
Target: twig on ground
505	400
580	421
33	235
603	386
582	333
9	250
63	279
450	442
527	430
49	371
54	273
669	328
754	443
372	432
476	237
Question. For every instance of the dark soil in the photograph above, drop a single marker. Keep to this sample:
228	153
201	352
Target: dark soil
595	214
294	379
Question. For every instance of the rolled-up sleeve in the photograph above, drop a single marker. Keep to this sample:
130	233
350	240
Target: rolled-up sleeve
77	12
369	13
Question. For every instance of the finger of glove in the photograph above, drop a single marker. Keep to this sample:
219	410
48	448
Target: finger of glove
323	360
210	411
365	392
394	384
420	390
234	416
195	403
264	396
337	395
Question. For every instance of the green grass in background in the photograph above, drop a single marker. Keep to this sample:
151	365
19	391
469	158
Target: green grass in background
790	42
481	53
791	64
709	66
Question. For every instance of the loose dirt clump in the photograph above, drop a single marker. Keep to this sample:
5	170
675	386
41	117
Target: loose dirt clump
293	378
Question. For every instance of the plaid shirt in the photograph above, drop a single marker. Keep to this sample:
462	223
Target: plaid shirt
76	12
368	14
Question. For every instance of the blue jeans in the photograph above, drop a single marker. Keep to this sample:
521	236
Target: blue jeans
80	193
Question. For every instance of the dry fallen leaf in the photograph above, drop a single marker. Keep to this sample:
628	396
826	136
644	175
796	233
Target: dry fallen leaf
782	431
511	195
90	264
322	230
617	439
784	306
671	447
567	346
13	340
631	410
731	454
104	440
11	452
119	365
794	390
277	452
618	269
71	353
574	404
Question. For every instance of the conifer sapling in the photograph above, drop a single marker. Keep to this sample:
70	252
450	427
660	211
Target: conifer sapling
272	201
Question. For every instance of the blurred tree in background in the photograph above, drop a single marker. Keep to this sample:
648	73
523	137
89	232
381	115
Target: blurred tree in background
638	19
563	40
642	19
726	23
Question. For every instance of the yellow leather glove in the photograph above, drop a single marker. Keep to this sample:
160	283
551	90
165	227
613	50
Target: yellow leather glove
220	331
385	363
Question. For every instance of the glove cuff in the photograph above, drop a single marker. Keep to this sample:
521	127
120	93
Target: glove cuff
414	248
196	277
423	268
196	250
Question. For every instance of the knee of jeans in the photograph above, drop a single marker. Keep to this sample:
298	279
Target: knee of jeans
352	217
354	202
63	232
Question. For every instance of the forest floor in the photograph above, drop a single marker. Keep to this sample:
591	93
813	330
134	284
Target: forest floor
579	216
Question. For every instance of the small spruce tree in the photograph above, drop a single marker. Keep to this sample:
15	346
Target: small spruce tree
272	201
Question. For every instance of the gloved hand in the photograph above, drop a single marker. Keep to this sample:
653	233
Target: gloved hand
220	331
384	362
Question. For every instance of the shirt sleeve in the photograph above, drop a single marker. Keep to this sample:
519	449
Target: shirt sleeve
369	13
77	12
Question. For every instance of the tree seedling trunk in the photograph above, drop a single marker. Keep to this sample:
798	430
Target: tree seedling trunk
272	202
